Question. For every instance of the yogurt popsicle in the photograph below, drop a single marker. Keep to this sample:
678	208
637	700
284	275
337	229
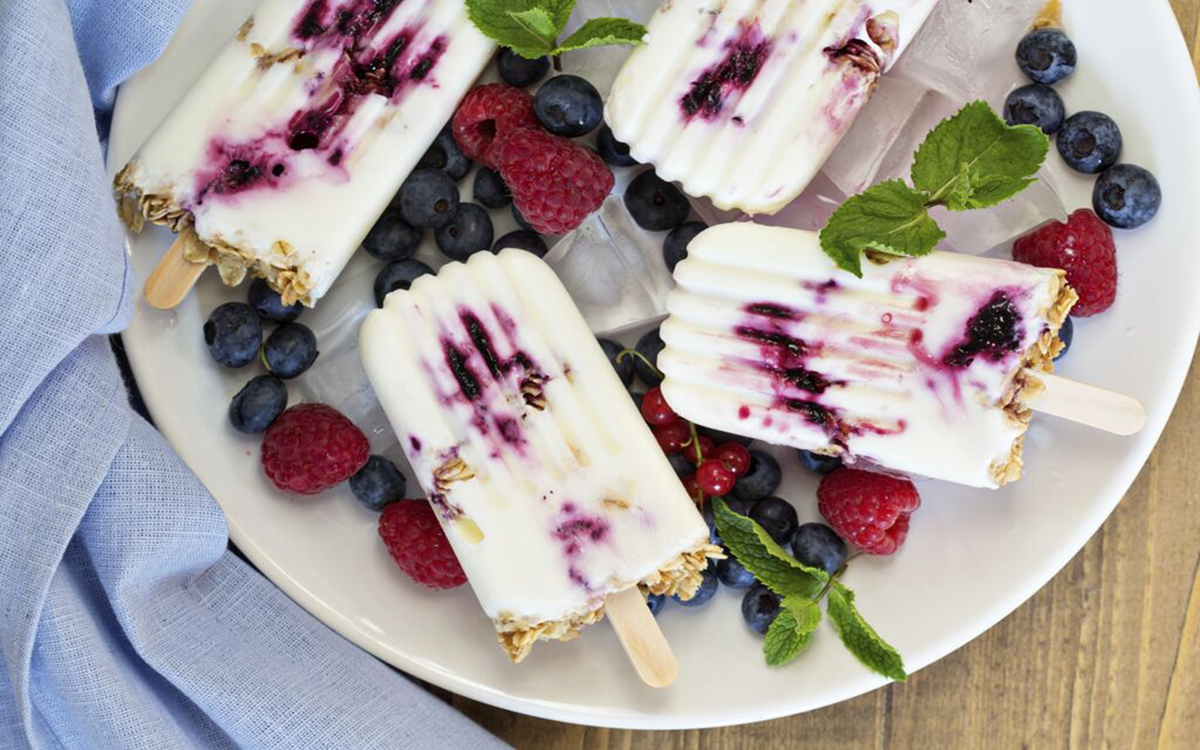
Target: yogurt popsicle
550	486
919	366
293	141
742	101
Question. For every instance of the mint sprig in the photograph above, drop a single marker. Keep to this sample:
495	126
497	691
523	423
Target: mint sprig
802	588
532	28
969	161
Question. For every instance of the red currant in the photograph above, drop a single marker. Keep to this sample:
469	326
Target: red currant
655	409
734	455
706	450
672	436
690	486
714	478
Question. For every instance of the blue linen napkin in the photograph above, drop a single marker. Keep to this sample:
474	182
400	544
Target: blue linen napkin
124	620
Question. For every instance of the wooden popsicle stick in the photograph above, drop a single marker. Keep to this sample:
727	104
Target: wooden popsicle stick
174	276
641	638
1088	405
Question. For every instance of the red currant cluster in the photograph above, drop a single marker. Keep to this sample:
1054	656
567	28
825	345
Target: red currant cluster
717	466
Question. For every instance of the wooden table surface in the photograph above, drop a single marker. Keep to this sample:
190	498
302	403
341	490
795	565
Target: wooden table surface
1106	655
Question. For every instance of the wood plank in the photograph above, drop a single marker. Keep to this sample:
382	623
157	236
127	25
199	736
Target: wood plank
1106	655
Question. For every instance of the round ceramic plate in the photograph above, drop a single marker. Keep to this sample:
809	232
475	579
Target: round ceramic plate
972	557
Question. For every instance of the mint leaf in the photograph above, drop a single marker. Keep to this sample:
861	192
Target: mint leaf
599	32
860	638
769	563
974	160
537	23
792	630
528	27
890	217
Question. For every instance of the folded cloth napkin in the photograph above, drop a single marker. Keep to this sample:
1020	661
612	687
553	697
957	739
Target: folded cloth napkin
124	621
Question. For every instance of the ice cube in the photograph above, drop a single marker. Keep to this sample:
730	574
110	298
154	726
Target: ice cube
991	231
711	215
613	269
811	210
930	110
599	65
965	50
853	165
337	377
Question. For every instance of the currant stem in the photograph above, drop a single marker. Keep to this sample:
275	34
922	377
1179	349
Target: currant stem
638	355
556	60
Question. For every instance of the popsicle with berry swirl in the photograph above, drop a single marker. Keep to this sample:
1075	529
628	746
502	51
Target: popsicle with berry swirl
742	101
550	486
924	365
292	142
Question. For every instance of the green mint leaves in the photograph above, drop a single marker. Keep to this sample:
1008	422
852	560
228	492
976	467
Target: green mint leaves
801	589
971	160
532	28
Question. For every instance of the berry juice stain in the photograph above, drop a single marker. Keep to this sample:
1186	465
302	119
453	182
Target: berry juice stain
744	57
368	65
577	532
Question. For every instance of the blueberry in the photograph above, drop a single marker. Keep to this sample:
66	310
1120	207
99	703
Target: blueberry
679	463
776	516
611	150
522	239
469	232
490	189
719	437
517	217
818	463
398	275
735	505
1046	56
1035	104
269	305
1066	333
818	546
1126	196
445	155
233	333
708	587
676	243
1089	142
761	479
760	606
649	345
378	483
290	350
655	602
569	106
733	574
392	238
519	71
255	407
624	367
428	199
654	203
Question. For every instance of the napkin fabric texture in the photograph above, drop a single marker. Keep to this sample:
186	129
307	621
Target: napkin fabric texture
124	621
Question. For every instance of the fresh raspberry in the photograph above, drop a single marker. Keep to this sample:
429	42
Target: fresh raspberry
1084	248
868	510
489	112
555	182
312	447
419	546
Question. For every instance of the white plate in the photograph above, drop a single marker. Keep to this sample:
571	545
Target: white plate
972	556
